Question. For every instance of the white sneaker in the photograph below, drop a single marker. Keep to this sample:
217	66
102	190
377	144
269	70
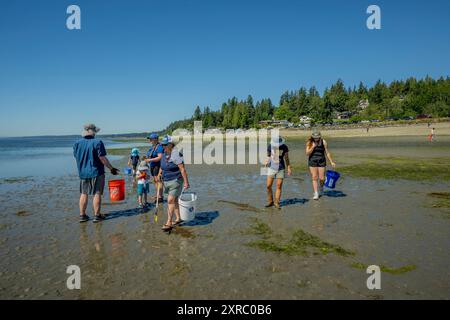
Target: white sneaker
316	196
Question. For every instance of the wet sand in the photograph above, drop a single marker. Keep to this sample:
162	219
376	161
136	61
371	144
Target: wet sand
386	222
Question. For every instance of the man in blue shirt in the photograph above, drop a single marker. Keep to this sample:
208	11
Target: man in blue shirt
154	156
90	154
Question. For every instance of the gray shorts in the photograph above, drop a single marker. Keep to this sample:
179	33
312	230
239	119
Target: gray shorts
173	187
93	186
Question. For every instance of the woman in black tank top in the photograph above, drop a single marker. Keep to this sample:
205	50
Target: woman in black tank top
317	152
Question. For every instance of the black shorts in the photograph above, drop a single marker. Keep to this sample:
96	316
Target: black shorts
154	171
317	162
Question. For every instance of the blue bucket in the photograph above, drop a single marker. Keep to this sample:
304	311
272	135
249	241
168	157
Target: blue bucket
127	171
331	178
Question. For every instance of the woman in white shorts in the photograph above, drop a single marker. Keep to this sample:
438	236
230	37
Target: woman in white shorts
277	161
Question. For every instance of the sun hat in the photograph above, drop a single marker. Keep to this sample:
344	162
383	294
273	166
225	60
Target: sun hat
166	140
316	134
153	136
143	165
90	130
135	151
277	141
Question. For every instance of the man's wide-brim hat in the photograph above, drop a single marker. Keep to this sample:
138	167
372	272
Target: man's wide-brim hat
277	141
90	130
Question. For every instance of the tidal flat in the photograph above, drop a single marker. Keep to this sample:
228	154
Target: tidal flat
379	214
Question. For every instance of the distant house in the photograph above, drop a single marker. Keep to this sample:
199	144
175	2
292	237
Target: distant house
305	119
275	123
265	123
343	115
363	104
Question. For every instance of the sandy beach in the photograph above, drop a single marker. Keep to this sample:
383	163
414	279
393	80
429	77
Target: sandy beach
413	129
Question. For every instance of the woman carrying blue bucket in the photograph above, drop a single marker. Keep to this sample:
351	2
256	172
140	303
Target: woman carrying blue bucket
317	152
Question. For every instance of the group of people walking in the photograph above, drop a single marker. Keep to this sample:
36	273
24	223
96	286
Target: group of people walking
164	166
278	162
163	162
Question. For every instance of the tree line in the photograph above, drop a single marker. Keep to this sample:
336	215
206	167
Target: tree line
399	99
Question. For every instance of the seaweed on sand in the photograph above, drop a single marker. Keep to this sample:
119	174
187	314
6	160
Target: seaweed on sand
180	267
16	180
184	233
23	213
299	243
443	199
242	206
400	168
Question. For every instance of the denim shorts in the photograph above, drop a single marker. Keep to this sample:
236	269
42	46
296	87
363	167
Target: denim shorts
143	188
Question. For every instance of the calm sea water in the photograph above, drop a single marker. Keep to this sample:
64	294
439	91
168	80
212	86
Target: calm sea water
43	156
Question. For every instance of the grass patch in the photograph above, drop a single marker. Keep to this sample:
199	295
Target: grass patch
386	269
400	168
125	140
299	243
119	152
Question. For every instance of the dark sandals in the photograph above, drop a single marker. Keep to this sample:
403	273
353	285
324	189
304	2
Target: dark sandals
177	223
84	218
168	227
98	218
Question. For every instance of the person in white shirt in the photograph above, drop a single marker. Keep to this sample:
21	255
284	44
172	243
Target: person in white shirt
143	184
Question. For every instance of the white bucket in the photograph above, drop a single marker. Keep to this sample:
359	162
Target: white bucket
187	202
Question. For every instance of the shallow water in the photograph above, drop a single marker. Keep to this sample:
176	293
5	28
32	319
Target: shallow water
385	222
43	156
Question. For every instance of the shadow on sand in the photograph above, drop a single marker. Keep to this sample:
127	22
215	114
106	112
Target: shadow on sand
334	194
128	213
289	202
202	218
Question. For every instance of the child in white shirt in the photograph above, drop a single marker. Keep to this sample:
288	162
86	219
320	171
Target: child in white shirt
143	185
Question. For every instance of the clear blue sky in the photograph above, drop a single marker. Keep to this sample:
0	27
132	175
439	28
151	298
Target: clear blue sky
137	65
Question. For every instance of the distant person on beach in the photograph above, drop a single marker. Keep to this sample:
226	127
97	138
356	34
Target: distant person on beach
90	155
175	180
143	186
154	156
317	152
134	160
433	134
277	161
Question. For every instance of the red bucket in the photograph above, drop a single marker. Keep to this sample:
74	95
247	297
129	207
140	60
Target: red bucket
116	190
